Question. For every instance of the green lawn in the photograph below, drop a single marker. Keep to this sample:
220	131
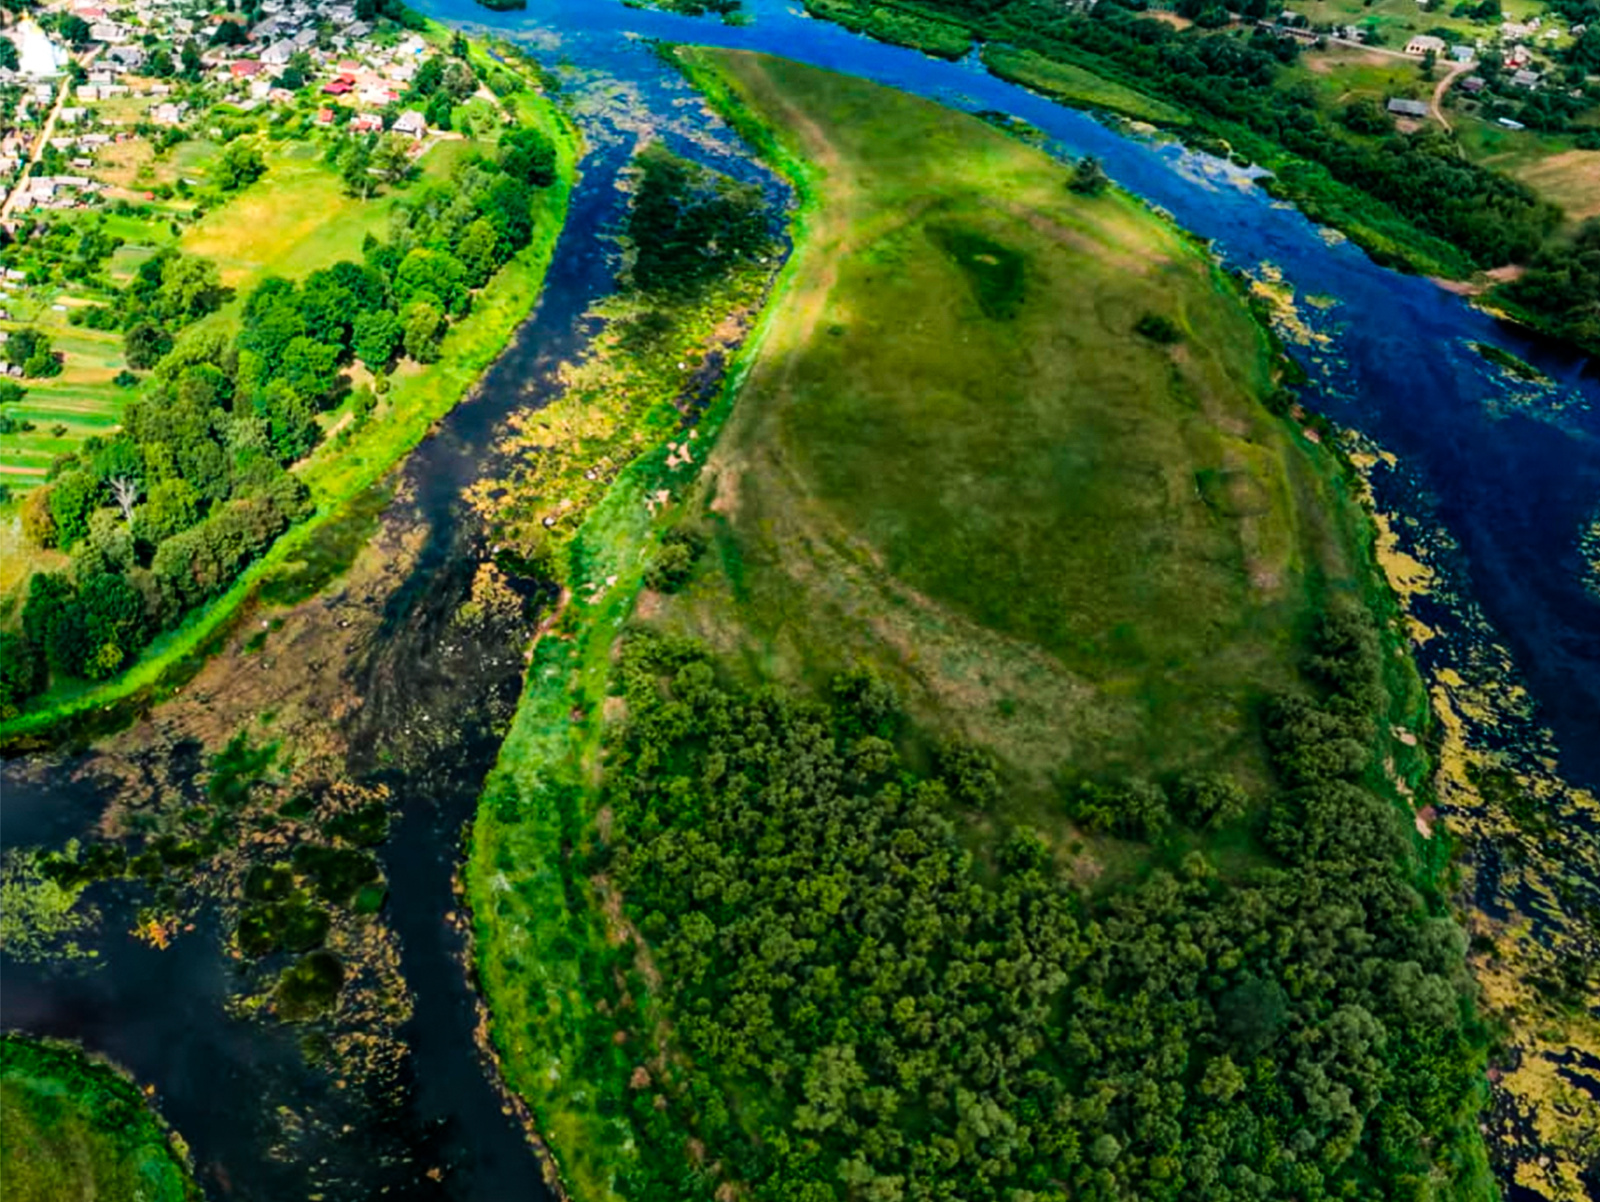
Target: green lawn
72	1128
956	459
295	219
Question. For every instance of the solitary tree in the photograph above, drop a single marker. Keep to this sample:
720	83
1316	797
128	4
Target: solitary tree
1088	177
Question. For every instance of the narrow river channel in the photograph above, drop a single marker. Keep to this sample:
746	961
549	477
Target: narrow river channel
1493	479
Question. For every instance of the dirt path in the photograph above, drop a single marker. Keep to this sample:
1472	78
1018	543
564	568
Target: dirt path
44	134
1436	105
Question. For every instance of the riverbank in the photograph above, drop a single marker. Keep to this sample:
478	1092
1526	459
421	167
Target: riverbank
353	462
661	403
72	1126
1345	182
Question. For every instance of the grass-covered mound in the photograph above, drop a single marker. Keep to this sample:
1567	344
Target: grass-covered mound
74	1128
1004	442
1021	820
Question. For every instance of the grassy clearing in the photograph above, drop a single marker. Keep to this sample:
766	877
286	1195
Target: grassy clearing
1052	533
1077	86
296	219
1548	163
74	1128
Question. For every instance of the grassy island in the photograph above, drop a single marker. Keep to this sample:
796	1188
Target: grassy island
983	771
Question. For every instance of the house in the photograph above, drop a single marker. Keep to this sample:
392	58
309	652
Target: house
278	54
337	87
169	113
1525	79
1473	84
101	78
246	68
324	116
126	58
1463	54
108	31
70	116
1518	57
1408	108
366	123
411	123
1425	43
305	39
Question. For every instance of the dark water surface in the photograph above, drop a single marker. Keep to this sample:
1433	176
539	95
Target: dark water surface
1510	473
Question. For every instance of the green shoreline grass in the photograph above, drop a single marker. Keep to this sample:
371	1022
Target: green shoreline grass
538	943
339	474
73	1126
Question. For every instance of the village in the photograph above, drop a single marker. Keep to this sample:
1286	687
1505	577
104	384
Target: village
1516	54
271	140
131	72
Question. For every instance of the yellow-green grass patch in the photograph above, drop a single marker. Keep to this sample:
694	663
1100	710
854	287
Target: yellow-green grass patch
1549	164
955	458
292	221
1077	86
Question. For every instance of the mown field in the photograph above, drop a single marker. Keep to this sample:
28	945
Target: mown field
958	460
72	1128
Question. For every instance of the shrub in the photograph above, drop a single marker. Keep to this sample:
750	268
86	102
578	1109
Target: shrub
1158	329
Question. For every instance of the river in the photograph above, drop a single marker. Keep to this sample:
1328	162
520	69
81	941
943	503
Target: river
1492	482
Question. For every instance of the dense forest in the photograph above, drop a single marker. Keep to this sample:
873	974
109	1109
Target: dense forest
1228	80
164	514
879	1002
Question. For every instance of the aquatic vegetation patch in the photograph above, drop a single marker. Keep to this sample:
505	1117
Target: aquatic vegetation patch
1530	863
75	1127
1509	363
336	873
309	987
290	925
40	912
364	826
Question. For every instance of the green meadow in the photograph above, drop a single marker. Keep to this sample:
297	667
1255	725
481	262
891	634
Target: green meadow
958	460
1076	86
74	1128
